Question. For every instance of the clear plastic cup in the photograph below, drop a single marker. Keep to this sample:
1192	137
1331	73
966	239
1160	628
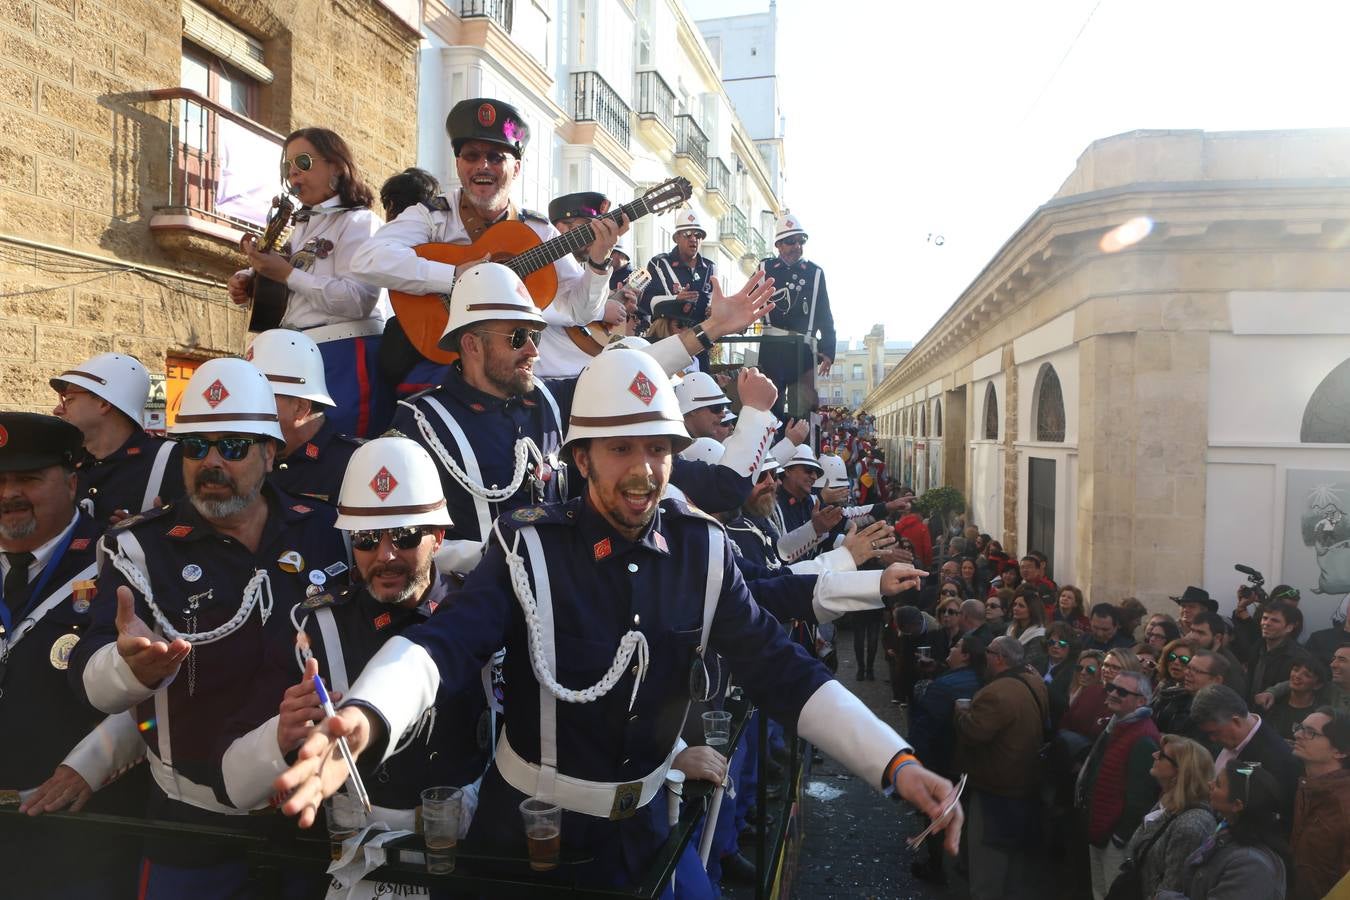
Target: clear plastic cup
345	817
717	730
441	811
543	832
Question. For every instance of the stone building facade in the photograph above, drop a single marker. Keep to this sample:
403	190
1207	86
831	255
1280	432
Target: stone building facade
1128	384
139	140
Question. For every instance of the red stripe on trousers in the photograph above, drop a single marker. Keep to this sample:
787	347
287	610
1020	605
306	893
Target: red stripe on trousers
143	887
363	386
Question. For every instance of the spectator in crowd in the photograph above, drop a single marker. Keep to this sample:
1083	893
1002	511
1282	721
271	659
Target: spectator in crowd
1336	693
1148	659
932	733
1070	608
1321	840
1114	787
1307	691
996	610
1246	637
1087	713
948	574
1033	573
912	629
1010	578
1028	626
1246	856
1160	630
1172	703
1224	719
949	615
1323	644
1104	628
971	582
999	739
1193	601
1061	652
1206	668
1280	627
973	623
1132	612
1210	631
1181	820
911	526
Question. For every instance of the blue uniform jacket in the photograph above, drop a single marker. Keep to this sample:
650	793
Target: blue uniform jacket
602	585
697	277
226	688
316	469
118	481
794	286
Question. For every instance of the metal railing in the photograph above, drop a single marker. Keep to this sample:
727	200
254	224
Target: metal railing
735	225
655	99
222	165
499	11
690	140
719	177
758	245
593	100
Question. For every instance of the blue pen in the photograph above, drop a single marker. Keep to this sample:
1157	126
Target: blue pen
354	778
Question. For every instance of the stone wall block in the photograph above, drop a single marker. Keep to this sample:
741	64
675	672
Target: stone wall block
37	56
18	340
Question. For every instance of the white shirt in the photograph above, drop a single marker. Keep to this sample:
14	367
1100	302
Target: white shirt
387	260
1225	755
42	555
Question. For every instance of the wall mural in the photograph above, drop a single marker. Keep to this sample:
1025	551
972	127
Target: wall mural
1317	542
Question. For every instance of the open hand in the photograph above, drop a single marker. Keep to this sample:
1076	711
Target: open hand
732	315
65	789
824	518
149	656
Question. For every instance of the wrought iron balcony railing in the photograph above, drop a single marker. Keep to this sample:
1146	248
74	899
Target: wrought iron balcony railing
655	99
758	245
690	140
499	11
734	224
593	100
719	177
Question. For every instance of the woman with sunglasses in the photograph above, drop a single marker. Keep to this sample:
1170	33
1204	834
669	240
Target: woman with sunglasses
1088	713
1246	858
341	313
1321	841
1179	823
996	610
949	612
1069	607
1061	652
1028	626
1172	662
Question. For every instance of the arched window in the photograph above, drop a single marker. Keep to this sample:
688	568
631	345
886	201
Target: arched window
1326	418
923	420
990	412
937	418
1049	415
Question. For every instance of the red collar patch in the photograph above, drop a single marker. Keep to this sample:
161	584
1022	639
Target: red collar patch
301	508
180	531
80	544
312	451
382	621
660	540
477	407
133	451
602	549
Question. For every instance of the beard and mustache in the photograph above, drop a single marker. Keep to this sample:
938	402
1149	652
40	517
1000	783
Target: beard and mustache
415	585
760	506
223	508
21	530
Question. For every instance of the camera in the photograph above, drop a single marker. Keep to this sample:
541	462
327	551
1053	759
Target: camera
1253	587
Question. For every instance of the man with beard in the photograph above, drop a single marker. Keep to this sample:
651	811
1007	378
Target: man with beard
392	509
315	456
800	519
682	272
215	577
47	550
560	586
489	138
803	312
122	469
496	429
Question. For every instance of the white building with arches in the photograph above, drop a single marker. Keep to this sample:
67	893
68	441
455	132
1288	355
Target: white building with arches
1151	381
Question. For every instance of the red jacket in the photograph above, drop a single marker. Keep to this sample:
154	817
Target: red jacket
911	526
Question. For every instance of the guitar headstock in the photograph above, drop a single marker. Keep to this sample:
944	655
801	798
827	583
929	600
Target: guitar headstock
668	194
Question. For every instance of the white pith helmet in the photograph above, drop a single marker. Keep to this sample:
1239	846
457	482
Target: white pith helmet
834	472
767	463
292	364
488	292
391	482
627	342
228	394
697	390
625	393
704	449
687	220
787	226
115	377
803	456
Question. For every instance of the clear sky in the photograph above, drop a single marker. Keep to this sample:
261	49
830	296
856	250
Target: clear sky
960	117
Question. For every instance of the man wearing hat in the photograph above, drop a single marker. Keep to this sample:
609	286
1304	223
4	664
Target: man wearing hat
801	521
47	560
494	427
803	309
617	573
681	272
121	469
566	348
489	138
315	456
392	510
191	623
1193	601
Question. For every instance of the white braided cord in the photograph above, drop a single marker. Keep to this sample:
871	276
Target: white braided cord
630	643
524	450
258	592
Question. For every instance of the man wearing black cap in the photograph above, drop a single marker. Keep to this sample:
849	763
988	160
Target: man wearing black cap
489	139
47	557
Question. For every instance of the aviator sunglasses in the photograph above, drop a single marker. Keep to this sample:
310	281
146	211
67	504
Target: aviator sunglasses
518	336
404	538
231	449
496	158
302	161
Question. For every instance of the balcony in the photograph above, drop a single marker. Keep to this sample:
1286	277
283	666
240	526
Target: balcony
593	100
691	149
655	110
734	231
223	173
756	250
718	189
499	11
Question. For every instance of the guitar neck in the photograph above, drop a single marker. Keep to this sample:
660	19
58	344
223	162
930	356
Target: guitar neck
554	249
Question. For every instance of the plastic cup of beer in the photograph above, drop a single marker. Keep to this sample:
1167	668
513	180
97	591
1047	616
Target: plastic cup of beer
543	832
717	730
345	817
441	809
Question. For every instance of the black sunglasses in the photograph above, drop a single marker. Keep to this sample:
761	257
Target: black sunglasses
793	241
1091	670
951	612
1184	660
518	336
1121	692
231	449
496	157
303	161
1162	754
950	594
1059	643
404	538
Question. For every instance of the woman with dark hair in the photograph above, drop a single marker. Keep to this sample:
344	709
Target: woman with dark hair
971	580
1027	624
1070	608
931	731
1246	858
344	316
1160	630
996	610
1062	645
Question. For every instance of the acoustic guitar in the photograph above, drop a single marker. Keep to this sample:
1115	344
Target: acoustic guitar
513	243
595	336
269	297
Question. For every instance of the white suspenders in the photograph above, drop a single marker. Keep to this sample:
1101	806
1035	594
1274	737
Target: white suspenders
156	479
